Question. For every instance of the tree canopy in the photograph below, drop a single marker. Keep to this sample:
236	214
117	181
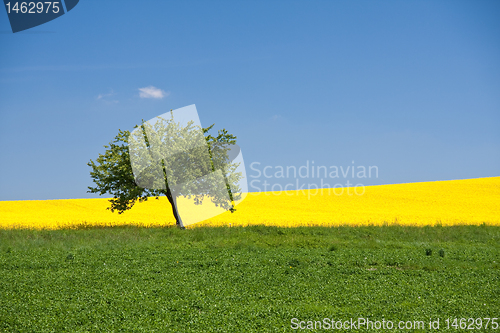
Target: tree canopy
165	157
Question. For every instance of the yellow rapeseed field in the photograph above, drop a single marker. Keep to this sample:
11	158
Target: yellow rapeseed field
468	201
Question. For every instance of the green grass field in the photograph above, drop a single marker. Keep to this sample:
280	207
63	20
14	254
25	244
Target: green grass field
253	279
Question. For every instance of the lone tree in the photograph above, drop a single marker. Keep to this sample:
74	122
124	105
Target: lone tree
166	158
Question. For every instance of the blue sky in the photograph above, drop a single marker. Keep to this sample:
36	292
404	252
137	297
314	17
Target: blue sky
412	87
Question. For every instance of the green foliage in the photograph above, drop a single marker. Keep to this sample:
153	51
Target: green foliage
240	280
112	174
112	171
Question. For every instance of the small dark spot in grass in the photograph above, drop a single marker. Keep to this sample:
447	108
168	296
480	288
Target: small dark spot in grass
70	257
332	248
392	263
428	252
441	253
294	263
430	268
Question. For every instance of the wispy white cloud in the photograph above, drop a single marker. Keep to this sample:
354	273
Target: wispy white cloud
105	97
152	92
101	96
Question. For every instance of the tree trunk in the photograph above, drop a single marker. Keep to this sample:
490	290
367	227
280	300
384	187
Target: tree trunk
171	198
173	202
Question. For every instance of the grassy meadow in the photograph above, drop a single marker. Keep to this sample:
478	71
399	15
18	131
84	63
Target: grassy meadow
243	279
406	252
